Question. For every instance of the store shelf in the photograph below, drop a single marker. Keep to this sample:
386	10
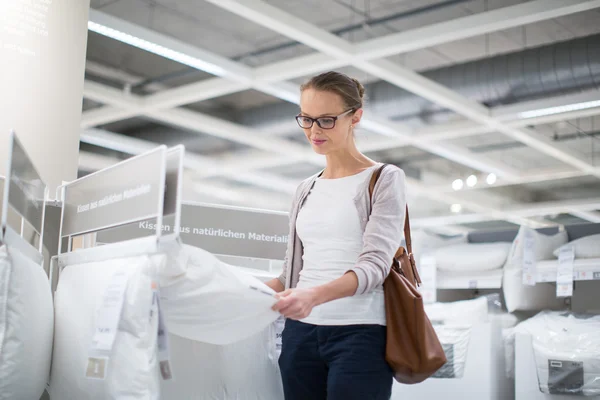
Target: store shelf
583	270
473	280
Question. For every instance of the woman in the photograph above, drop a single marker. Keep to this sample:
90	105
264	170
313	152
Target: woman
339	253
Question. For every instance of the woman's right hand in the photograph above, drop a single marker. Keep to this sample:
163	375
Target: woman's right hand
276	285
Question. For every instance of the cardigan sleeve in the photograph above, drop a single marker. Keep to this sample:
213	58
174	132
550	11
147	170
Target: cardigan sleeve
288	253
383	231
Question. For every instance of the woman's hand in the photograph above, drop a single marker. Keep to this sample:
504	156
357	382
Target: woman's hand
296	303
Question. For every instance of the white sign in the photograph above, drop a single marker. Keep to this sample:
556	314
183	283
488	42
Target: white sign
529	261
428	272
564	273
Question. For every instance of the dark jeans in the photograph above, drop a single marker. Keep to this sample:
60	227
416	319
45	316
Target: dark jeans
334	362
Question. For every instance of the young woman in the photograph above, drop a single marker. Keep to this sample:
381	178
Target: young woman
339	253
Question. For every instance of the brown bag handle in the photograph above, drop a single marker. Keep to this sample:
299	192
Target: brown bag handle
372	183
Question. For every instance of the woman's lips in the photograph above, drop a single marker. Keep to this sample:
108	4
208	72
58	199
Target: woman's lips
318	142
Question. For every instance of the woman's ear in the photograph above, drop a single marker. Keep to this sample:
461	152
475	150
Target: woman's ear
357	116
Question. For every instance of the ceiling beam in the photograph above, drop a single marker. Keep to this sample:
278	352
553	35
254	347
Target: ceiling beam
298	29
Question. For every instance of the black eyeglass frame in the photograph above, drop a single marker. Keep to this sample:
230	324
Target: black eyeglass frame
313	120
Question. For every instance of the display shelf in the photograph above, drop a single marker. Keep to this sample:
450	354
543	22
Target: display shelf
475	280
583	270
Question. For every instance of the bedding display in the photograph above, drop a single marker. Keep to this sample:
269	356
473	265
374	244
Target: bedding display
210	309
567	351
520	297
26	326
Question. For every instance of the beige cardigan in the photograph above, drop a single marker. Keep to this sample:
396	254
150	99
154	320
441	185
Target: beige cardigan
382	226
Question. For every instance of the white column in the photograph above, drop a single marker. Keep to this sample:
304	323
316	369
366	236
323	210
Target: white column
42	64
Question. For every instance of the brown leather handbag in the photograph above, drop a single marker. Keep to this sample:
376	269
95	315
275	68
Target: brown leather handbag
413	349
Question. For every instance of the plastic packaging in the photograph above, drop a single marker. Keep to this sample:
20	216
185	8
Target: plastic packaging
26	326
453	323
567	351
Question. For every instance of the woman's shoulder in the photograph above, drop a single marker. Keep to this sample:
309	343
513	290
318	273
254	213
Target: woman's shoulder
391	172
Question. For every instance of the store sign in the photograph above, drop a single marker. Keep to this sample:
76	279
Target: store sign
111	197
26	190
221	230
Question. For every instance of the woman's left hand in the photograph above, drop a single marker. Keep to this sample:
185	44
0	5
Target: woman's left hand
296	303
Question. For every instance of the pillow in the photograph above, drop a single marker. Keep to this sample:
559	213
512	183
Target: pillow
458	312
132	370
424	243
472	256
544	246
585	247
240	304
246	369
26	326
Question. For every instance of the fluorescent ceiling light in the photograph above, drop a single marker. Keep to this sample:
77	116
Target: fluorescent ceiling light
156	49
559	109
456	208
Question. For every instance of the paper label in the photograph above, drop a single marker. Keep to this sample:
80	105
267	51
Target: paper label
96	368
473	284
564	273
164	357
428	272
279	326
529	262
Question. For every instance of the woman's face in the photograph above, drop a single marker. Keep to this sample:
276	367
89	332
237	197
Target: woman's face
325	105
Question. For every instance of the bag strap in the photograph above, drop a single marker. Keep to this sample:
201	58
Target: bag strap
372	183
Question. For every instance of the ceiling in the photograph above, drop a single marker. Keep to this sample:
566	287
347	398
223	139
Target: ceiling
454	88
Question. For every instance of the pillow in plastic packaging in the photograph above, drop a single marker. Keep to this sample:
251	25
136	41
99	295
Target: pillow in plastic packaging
244	370
131	371
472	256
520	297
458	312
214	302
585	247
567	351
26	326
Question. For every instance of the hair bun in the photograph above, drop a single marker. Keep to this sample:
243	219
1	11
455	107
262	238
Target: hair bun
360	87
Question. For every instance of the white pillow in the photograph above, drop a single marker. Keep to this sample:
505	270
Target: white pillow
423	242
544	246
245	370
26	326
240	304
472	256
458	312
132	370
585	247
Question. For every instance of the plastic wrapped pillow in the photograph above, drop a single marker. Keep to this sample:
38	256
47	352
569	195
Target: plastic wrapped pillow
585	247
26	326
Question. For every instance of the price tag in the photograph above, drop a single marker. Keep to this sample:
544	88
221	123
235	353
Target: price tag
472	284
529	261
564	273
279	326
107	323
428	273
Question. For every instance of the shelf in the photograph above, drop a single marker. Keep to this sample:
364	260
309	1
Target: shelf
474	280
583	270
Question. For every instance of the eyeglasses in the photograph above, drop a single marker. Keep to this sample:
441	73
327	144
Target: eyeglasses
323	122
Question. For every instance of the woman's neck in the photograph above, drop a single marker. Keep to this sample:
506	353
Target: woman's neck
346	163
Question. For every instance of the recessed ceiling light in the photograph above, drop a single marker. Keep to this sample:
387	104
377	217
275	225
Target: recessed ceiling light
456	208
457	184
491	179
472	181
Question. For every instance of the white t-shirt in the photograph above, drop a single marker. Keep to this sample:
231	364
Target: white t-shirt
329	227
